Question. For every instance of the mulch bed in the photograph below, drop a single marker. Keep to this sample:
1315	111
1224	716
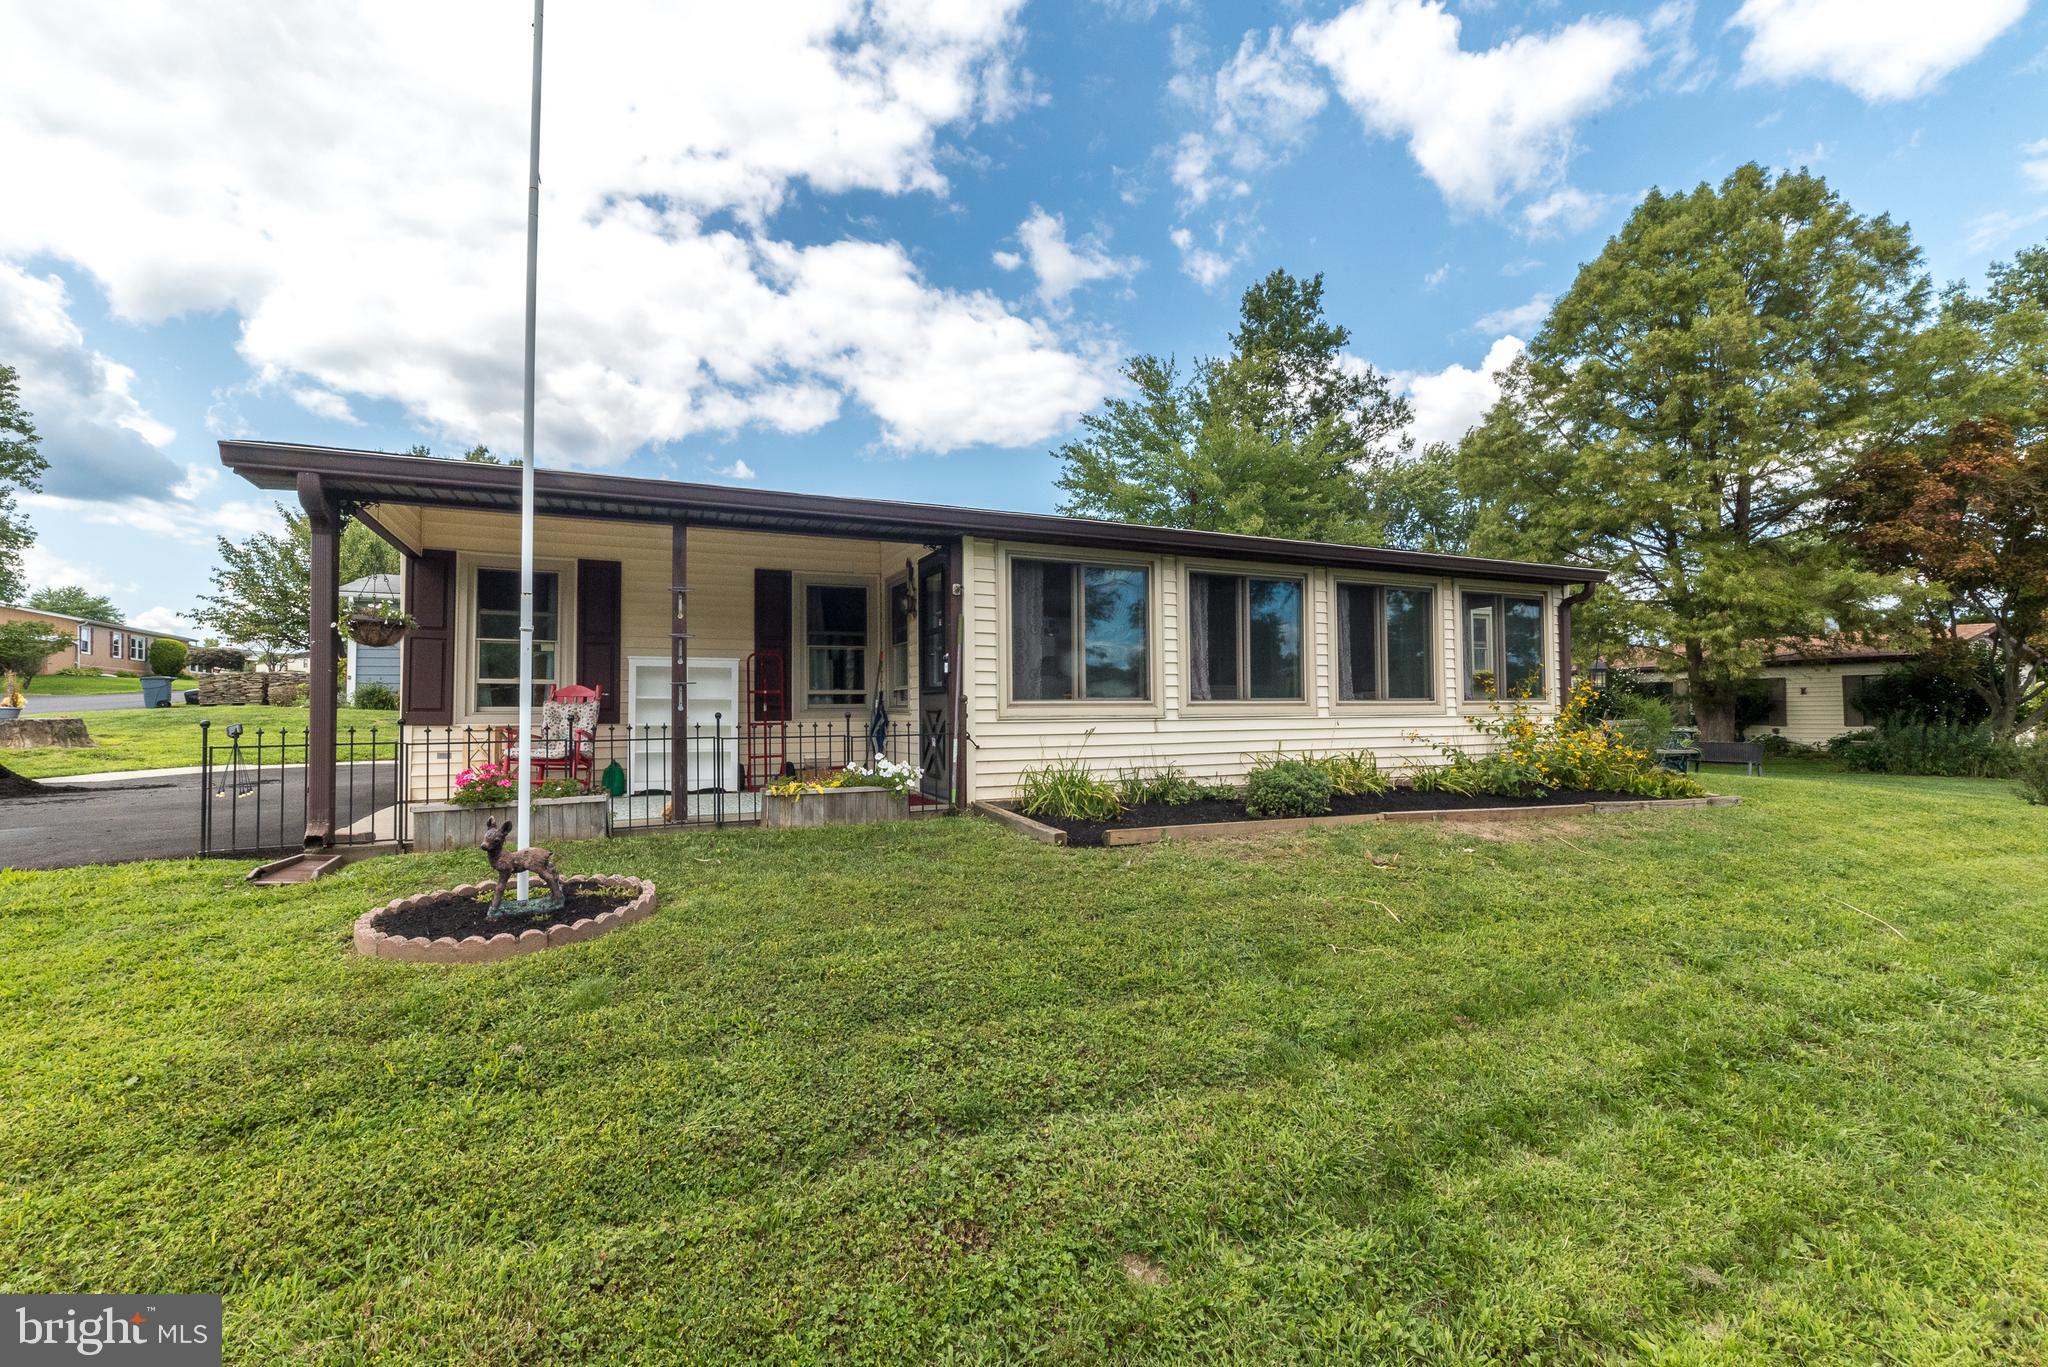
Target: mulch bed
1396	800
457	917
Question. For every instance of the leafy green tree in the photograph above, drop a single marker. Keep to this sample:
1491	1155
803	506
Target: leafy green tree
1279	438
1418	506
26	646
1685	412
21	469
1964	506
262	587
75	601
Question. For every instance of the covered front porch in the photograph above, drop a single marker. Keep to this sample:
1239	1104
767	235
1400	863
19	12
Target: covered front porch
685	656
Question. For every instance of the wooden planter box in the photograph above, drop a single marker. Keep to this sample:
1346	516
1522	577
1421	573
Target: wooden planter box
449	826
833	807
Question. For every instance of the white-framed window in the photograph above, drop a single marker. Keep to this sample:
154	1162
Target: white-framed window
138	647
84	639
1503	646
899	642
114	644
835	645
1384	643
1244	638
1080	631
495	608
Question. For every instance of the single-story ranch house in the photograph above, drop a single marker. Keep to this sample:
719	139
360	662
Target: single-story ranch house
732	635
110	647
1813	687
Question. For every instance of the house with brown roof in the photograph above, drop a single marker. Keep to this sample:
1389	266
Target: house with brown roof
1813	685
720	637
112	647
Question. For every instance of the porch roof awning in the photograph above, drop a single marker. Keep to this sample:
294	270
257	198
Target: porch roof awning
373	477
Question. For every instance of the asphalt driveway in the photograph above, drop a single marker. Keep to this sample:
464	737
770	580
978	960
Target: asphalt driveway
158	818
64	706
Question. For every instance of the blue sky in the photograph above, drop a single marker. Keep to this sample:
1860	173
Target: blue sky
891	249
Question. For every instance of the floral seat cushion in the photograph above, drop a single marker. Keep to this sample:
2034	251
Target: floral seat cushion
560	724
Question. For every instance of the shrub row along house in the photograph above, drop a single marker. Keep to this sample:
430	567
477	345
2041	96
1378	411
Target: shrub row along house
113	647
732	635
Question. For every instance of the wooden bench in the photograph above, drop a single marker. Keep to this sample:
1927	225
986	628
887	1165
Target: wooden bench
1744	752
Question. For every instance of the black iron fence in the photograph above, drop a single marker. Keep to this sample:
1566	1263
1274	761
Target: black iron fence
253	787
727	766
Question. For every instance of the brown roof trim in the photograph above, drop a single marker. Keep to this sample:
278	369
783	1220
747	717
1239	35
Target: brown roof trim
378	477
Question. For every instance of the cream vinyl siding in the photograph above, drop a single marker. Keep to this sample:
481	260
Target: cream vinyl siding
1813	700
1208	740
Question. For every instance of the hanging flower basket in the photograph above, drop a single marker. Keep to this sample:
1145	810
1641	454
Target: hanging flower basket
375	631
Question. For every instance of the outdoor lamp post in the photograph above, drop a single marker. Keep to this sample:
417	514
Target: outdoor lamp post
1598	673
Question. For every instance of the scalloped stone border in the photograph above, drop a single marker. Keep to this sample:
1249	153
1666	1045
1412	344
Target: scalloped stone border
479	949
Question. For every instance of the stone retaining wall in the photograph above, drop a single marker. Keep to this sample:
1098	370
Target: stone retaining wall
278	689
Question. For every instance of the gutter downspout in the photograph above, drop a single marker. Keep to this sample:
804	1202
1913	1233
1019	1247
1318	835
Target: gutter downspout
1564	638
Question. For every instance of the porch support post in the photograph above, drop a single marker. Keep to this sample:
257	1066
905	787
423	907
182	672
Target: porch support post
679	673
323	522
956	668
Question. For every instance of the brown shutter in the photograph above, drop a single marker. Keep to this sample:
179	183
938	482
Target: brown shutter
773	591
597	632
427	684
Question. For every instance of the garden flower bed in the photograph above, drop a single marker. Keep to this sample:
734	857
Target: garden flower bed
1147	823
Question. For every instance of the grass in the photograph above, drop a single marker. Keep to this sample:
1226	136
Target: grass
168	737
1663	1086
80	685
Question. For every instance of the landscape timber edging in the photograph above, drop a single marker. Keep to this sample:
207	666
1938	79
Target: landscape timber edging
478	949
1220	830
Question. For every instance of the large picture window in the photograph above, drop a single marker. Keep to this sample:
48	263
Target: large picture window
1503	646
1244	638
836	644
1079	631
1383	643
497	636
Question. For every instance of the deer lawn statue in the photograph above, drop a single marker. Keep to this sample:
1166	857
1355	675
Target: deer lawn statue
537	862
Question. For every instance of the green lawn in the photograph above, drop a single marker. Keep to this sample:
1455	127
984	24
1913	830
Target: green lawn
1658	1087
75	685
168	737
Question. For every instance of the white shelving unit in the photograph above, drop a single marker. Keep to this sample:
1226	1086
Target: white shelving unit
714	699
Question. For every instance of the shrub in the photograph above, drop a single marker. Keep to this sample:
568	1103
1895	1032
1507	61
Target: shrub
1288	787
1461	776
1168	785
1931	750
2033	771
217	660
377	697
1354	774
166	657
26	646
1574	750
1066	791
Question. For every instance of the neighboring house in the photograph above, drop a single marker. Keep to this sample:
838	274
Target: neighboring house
1814	686
113	647
373	664
742	620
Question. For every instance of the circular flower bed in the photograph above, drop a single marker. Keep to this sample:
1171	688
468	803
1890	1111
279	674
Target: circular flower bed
448	926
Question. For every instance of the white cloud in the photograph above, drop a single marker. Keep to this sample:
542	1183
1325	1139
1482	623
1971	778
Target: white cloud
739	469
170	621
1206	266
1450	402
43	570
2034	164
1437	276
1881	49
325	403
1061	266
1482	125
1566	209
351	182
1991	230
1523	317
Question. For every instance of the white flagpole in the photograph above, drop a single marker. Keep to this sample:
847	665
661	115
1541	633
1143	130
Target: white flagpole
523	786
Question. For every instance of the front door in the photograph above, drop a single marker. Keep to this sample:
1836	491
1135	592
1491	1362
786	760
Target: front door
934	661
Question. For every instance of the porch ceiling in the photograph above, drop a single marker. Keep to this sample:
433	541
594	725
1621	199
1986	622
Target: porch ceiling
368	477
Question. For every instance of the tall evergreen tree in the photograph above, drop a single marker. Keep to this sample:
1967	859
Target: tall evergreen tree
1277	439
1686	411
